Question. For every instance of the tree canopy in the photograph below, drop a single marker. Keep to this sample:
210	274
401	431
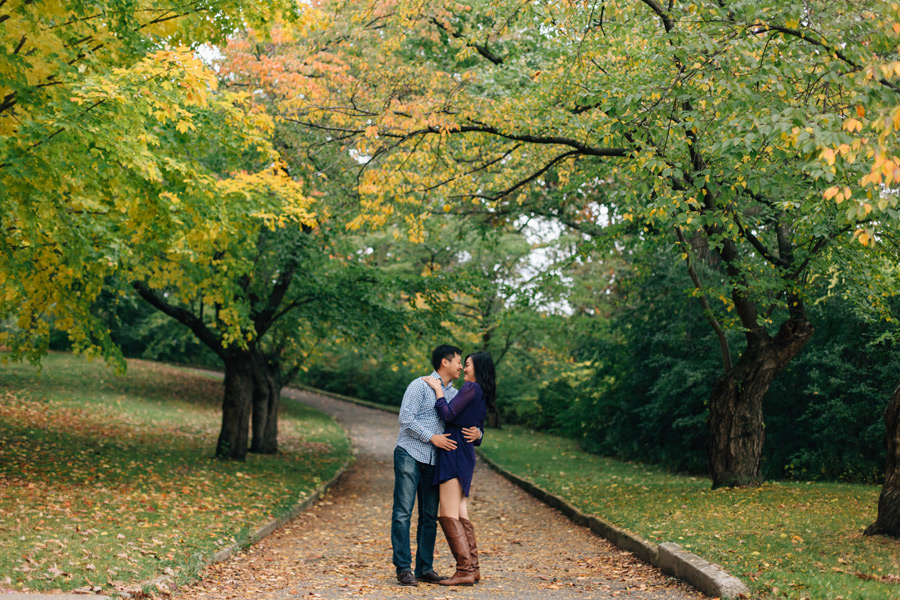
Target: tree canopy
297	180
101	102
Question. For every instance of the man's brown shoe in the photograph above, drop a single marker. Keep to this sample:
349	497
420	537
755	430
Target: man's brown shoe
431	577
407	578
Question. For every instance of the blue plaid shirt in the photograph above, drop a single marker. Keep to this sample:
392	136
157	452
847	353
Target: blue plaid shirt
419	420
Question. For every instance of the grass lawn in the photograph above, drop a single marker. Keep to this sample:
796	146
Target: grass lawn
784	539
109	480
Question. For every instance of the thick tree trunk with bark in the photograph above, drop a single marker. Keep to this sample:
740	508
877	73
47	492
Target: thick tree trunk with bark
236	407
888	520
736	423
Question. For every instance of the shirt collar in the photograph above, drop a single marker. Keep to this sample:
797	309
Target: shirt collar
438	377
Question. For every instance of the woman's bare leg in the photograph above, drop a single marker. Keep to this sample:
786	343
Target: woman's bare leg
463	508
451	493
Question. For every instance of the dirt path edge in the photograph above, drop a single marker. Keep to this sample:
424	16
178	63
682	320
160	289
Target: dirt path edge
669	557
166	583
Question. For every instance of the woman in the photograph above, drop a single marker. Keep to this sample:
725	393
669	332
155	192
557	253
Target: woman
454	468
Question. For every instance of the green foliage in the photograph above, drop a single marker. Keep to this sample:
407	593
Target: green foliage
641	388
666	361
103	127
105	477
785	540
364	373
825	411
698	125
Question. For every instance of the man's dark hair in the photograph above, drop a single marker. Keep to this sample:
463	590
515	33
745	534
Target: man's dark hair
441	352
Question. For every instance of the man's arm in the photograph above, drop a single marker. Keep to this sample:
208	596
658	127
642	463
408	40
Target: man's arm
413	399
473	435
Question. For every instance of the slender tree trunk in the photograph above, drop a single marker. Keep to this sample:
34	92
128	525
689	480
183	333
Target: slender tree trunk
266	402
493	419
269	443
260	418
736	424
888	520
236	406
270	378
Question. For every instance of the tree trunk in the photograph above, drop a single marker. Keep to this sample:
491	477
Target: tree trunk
493	419
236	405
888	520
266	400
270	435
735	419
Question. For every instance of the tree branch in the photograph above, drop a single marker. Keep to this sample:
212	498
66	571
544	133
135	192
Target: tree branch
203	333
264	319
666	18
582	148
763	251
556	160
704	302
482	49
822	43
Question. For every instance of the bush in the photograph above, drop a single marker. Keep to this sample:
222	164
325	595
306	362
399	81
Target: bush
824	413
352	374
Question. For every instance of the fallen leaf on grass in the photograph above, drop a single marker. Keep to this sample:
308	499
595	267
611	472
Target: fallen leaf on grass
881	578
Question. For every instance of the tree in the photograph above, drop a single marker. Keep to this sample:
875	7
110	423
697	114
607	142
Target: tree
115	166
864	159
700	124
85	93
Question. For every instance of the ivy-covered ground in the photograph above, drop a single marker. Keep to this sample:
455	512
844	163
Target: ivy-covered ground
784	539
109	480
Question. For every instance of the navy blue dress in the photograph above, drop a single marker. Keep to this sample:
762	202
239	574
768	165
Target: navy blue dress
467	409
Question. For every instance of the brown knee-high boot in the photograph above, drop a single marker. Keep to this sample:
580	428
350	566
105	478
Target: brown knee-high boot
459	546
473	547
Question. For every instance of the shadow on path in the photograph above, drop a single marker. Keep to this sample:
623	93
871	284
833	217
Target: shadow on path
341	547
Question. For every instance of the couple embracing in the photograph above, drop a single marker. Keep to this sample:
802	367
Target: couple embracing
434	460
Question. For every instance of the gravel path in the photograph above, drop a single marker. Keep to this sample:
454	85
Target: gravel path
341	547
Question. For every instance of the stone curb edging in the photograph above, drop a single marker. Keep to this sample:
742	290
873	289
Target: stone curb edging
670	558
707	577
166	583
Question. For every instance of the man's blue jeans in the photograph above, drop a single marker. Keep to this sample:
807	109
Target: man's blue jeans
413	479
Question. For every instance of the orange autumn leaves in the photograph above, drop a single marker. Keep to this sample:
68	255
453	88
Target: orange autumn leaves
106	481
870	144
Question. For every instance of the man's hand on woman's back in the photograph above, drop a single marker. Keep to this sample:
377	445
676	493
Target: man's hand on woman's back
472	434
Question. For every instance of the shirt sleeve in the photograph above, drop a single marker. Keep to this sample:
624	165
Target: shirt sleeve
413	400
463	399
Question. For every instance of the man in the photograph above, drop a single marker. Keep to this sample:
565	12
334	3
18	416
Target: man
421	431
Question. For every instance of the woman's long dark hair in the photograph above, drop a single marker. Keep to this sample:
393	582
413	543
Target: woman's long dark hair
486	377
